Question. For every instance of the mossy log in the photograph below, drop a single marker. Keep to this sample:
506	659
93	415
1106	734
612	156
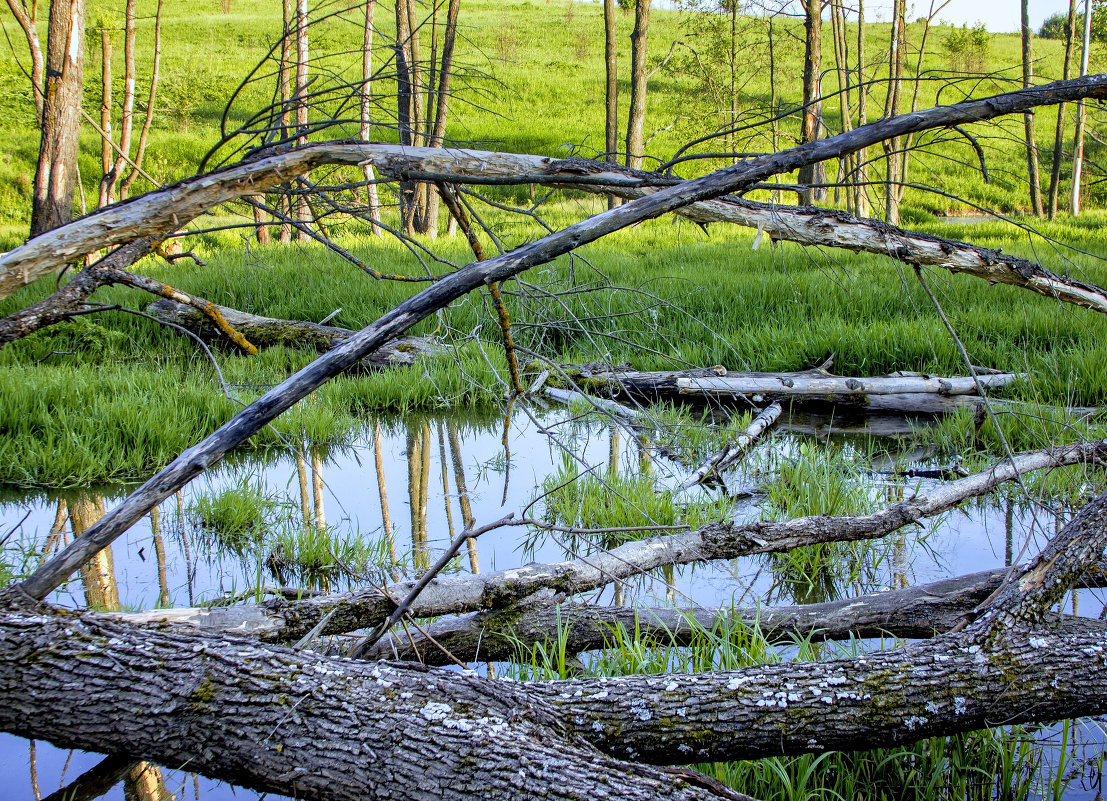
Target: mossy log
267	332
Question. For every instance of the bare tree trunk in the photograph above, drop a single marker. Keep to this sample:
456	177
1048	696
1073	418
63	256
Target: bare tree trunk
404	102
155	70
27	18
417	212
892	107
636	120
441	96
841	62
56	173
1028	117
302	210
611	91
288	15
1081	114
126	123
106	159
1059	133
366	116
861	191
812	90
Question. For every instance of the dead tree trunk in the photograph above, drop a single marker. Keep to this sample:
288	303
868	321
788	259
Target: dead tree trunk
812	91
56	174
639	76
1028	117
366	116
611	91
893	104
1081	115
27	19
1059	133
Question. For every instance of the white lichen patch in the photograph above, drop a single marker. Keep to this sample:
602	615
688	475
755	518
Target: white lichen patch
434	711
914	722
960	705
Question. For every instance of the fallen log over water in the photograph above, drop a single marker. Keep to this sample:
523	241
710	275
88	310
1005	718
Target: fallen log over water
278	719
280	620
905	392
917	612
267	332
734	449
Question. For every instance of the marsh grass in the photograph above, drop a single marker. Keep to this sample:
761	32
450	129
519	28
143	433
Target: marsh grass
235	519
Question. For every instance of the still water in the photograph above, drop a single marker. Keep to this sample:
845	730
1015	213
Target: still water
393	498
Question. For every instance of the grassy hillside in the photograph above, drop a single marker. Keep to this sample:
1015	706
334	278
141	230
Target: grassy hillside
530	79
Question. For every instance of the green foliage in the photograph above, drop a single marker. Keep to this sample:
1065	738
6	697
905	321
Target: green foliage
1054	26
236	519
316	557
968	48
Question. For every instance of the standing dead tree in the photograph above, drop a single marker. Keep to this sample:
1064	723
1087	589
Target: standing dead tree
338	728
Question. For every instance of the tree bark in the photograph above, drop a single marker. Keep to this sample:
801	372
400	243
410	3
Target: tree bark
894	146
812	91
366	116
611	90
56	173
1059	133
301	208
639	76
1028	117
155	71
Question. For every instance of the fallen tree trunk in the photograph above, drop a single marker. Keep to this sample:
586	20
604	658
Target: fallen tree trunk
807	226
268	332
277	719
919	612
279	620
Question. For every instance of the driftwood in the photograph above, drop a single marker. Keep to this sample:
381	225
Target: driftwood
279	719
267	332
733	450
447	595
568	397
903	392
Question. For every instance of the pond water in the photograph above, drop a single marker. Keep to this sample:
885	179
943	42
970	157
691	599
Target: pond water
243	525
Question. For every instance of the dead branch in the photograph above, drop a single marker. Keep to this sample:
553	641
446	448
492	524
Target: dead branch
739	445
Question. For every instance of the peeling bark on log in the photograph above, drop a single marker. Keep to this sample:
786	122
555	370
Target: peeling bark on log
917	612
447	595
267	332
161	212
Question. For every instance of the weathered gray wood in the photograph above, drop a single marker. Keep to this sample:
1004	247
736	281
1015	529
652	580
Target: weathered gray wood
447	595
917	612
833	387
267	332
153	213
160	213
568	397
727	456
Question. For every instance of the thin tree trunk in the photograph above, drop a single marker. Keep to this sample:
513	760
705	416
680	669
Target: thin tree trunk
611	90
404	96
812	90
366	116
106	159
1081	114
382	492
302	207
861	190
288	15
441	95
892	106
126	123
1059	133
841	62
28	22
1028	117
636	120
155	70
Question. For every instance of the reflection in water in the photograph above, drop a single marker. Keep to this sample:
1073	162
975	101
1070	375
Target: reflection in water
184	571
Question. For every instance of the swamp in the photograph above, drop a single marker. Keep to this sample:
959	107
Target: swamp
377	421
